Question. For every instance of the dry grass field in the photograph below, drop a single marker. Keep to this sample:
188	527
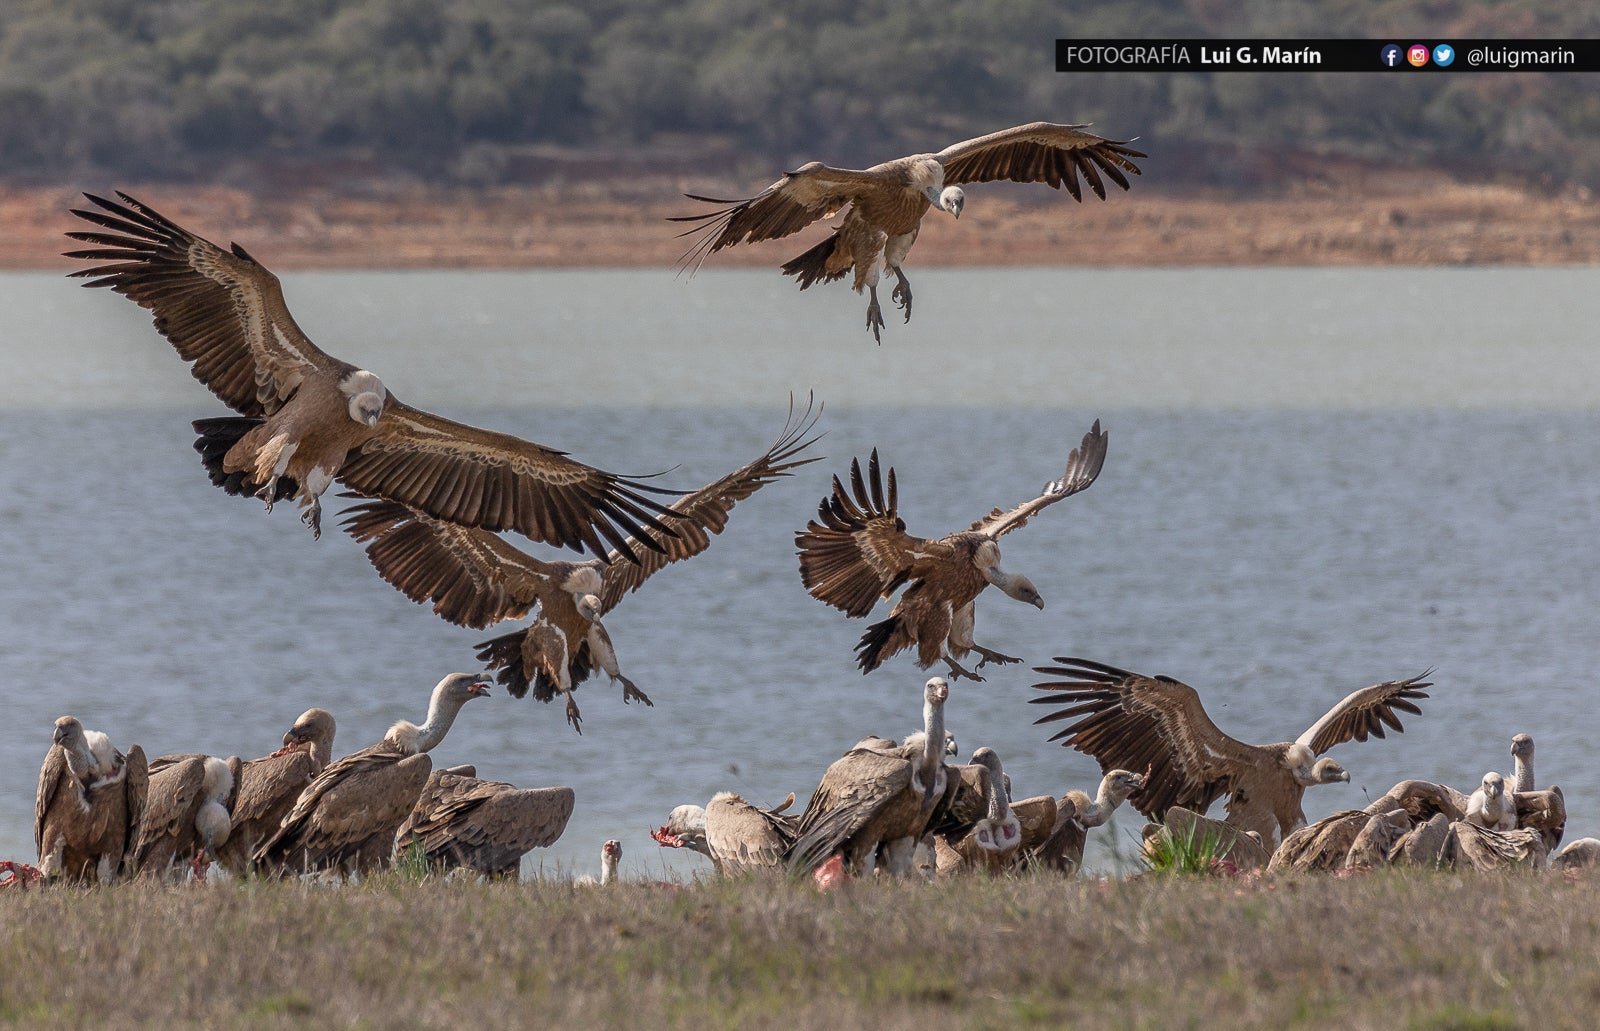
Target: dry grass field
1391	950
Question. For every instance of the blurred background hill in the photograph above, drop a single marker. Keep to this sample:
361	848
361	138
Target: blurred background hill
633	101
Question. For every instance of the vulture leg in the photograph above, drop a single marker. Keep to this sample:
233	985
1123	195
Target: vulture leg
993	656
957	671
902	292
198	865
312	517
572	713
269	491
875	315
630	693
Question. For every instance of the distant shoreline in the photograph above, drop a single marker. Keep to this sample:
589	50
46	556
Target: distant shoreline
1394	219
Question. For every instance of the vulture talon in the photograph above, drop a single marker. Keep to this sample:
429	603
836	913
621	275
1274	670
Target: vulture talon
902	294
632	693
572	715
875	316
312	517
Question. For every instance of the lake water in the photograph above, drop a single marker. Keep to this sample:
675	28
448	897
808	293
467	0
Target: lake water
1317	480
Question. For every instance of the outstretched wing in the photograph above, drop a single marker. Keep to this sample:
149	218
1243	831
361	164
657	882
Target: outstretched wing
473	577
810	192
221	309
1366	712
1041	152
704	512
1133	722
1083	465
496	481
857	549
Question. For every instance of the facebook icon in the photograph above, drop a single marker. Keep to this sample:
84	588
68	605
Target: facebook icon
1391	56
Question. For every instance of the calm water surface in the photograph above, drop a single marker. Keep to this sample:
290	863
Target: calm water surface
1318	479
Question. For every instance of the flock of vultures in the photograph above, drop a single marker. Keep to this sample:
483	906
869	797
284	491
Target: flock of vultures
435	498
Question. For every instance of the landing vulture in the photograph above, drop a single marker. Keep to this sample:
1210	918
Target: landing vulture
89	806
735	834
475	578
870	798
346	818
482	825
306	418
888	201
857	551
1136	722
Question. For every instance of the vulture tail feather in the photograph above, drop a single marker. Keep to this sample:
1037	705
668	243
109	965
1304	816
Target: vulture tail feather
214	438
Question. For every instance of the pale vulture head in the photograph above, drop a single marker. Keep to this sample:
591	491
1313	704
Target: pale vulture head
953	199
936	690
589	607
1022	589
1119	784
1522	747
367	395
1326	771
312	732
1494	785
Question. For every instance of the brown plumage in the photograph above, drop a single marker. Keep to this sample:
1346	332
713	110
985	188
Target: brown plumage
1136	722
89	807
736	835
974	829
857	551
307	418
888	201
482	825
476	578
186	816
869	798
346	818
268	787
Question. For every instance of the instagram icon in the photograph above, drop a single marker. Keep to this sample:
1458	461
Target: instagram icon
1417	55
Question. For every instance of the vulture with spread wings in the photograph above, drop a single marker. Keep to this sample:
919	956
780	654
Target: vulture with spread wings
888	201
1131	721
857	551
475	578
306	418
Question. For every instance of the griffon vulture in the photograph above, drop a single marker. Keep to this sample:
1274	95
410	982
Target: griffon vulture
888	201
1127	720
734	834
306	418
857	551
268	787
1077	814
475	578
1491	805
870	798
89	806
1522	759
482	825
186	817
346	818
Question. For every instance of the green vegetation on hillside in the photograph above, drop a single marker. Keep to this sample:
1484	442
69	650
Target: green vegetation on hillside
463	90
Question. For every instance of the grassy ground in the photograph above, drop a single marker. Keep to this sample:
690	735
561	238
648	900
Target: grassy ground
1394	950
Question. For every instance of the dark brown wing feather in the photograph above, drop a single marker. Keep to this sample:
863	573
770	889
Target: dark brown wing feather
1042	152
1083	466
1132	722
222	310
704	512
856	550
496	481
1366	712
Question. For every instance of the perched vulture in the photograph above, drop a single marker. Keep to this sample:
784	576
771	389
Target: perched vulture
482	825
1491	805
1127	720
306	418
269	786
974	828
888	201
346	818
857	551
89	807
734	834
475	578
870	798
186	815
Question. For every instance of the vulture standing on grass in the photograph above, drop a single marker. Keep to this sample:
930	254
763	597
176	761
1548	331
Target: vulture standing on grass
475	578
186	815
267	787
974	829
1491	806
888	201
734	834
89	806
857	551
870	798
1127	720
483	825
306	418
346	818
1077	814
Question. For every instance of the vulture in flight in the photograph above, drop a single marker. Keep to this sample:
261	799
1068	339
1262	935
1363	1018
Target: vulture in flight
89	806
475	578
1136	722
857	551
888	201
307	418
347	817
